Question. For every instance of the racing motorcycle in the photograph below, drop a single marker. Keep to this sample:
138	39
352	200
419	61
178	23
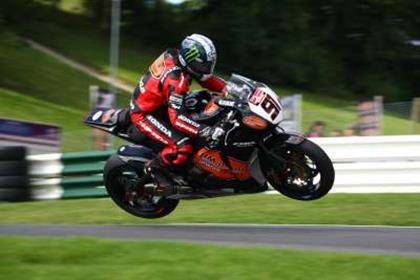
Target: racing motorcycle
251	153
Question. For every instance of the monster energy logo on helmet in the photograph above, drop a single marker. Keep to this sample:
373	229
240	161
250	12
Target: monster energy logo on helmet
198	54
192	54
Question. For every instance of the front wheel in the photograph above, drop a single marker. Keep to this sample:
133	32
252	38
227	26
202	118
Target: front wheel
125	184
305	173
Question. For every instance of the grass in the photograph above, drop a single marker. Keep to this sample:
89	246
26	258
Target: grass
76	258
35	74
352	209
92	48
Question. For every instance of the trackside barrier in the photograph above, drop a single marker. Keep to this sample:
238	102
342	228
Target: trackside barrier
14	179
379	164
70	175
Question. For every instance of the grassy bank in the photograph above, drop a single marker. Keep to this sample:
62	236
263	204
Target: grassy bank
365	209
41	258
35	74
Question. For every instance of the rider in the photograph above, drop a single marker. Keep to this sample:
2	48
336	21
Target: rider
157	104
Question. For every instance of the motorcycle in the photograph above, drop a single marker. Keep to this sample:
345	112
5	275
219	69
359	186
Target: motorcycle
251	154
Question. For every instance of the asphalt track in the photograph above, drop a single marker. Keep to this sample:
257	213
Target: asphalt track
371	240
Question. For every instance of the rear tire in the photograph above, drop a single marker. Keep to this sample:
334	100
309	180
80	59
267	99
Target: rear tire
120	181
309	172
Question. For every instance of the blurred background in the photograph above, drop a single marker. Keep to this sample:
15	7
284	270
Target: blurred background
342	68
336	55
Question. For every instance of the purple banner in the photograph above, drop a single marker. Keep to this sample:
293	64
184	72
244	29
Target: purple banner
28	132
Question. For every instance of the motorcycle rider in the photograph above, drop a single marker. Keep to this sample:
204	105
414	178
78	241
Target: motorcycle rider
157	106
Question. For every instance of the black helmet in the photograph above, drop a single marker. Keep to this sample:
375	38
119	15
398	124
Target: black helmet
198	55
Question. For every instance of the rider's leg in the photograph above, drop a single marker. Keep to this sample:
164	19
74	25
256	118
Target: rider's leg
177	147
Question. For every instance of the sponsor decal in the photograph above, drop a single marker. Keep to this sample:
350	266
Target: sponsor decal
153	134
244	144
186	127
175	106
141	86
160	126
211	161
227	103
97	115
158	67
257	96
192	54
176	101
189	121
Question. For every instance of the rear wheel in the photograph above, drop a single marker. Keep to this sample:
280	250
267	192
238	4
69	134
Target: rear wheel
126	183
306	173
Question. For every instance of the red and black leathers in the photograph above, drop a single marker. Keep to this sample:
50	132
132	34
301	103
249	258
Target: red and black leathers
163	87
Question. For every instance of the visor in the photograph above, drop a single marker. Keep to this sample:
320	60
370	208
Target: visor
201	67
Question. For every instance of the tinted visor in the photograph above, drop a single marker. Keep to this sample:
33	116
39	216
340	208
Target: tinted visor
201	67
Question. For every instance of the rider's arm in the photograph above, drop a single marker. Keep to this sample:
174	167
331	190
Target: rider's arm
177	87
213	83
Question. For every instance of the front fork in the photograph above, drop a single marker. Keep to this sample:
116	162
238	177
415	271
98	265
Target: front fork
268	159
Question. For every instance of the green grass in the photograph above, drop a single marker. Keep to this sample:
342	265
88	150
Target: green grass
365	209
77	258
35	74
92	48
75	135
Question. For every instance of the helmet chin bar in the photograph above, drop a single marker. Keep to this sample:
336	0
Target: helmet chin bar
182	61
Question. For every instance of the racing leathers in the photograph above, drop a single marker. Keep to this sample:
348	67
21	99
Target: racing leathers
158	111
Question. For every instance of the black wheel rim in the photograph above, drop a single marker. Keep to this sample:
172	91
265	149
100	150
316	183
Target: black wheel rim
300	177
129	192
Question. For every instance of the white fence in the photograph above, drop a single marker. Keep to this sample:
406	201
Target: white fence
377	164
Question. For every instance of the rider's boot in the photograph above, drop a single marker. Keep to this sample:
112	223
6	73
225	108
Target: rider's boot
164	185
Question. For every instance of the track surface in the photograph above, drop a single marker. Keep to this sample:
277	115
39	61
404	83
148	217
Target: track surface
373	240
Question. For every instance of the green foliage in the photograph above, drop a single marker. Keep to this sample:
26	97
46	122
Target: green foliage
331	45
88	258
355	45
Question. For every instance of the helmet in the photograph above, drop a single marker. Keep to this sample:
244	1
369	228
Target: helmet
198	55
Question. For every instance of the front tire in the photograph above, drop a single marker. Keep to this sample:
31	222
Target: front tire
308	173
125	182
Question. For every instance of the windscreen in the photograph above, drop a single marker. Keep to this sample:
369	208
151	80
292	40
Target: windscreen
241	87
